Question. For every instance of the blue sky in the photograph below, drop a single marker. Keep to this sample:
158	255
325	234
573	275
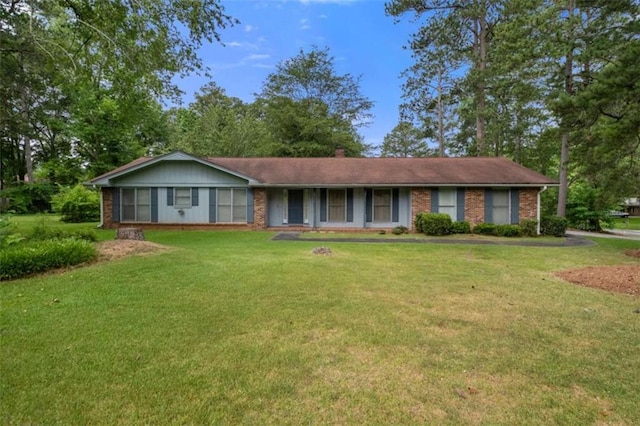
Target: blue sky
363	41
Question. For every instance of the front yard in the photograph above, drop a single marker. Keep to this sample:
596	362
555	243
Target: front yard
231	327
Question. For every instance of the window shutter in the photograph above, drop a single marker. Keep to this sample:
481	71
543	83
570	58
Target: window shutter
488	205
460	205
212	205
395	205
369	204
169	196
249	205
515	205
115	205
154	205
323	204
349	204
434	200
195	196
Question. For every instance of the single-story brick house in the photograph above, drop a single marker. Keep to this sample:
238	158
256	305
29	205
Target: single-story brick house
178	190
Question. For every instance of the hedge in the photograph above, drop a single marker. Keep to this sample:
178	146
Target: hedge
434	223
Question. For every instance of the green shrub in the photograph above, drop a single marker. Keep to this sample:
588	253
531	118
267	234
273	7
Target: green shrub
40	256
553	225
529	227
507	230
29	198
42	232
77	204
8	234
485	229
399	230
460	227
434	223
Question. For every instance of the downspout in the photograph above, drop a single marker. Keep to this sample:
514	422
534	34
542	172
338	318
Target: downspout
538	209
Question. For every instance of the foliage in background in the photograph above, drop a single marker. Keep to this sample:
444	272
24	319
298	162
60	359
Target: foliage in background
29	198
77	204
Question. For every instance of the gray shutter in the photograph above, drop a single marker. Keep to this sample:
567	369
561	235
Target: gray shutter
115	205
395	205
434	200
515	205
460	205
488	206
349	204
195	196
212	205
250	205
369	204
154	205
323	204
169	196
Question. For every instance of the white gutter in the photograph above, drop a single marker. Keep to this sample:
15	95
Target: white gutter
538	209
101	210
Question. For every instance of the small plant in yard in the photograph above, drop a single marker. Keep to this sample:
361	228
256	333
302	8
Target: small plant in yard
399	230
507	230
42	231
554	226
529	227
461	227
485	229
434	223
40	256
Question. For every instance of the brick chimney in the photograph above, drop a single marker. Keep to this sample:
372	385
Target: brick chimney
339	152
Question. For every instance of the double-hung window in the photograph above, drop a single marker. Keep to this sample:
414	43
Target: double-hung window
337	205
182	197
500	209
382	205
447	202
136	205
232	205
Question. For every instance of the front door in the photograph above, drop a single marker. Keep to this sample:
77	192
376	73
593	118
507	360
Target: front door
295	201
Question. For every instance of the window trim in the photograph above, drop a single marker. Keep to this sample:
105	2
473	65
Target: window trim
231	205
454	190
373	205
493	205
344	205
176	205
135	205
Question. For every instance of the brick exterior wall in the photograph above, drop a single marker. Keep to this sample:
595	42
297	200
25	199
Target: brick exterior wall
107	208
474	206
259	208
528	203
420	203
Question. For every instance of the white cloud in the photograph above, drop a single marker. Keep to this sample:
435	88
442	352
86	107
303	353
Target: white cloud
304	24
257	57
249	28
242	45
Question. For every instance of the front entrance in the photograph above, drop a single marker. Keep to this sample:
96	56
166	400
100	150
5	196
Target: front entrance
295	208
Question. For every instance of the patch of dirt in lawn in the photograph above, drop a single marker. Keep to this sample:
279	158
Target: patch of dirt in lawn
116	249
633	253
616	278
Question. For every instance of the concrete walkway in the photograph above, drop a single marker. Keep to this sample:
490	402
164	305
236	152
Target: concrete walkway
568	241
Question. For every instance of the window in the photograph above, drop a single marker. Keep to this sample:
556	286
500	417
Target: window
337	205
182	197
232	205
382	205
500	208
136	205
447	202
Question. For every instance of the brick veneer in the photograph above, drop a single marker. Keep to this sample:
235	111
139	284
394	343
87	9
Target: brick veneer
528	207
474	205
107	208
259	207
420	203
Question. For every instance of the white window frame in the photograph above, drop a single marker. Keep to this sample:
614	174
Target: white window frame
232	205
176	203
136	204
453	206
344	205
508	206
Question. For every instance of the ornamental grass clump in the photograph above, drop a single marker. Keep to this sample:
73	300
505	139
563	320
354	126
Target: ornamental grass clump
33	257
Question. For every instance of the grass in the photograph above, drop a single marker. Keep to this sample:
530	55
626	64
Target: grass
414	236
231	327
630	223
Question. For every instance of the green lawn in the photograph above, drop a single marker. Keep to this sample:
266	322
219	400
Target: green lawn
630	223
230	327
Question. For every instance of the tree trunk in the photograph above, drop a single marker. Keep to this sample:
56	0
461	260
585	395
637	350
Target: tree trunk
568	87
28	161
440	115
481	46
130	234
